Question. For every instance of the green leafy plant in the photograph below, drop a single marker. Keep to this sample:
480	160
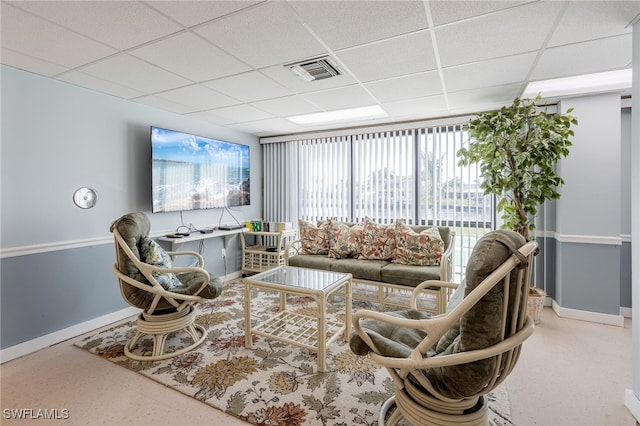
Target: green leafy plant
518	147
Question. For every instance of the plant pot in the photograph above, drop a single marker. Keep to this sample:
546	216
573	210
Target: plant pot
535	303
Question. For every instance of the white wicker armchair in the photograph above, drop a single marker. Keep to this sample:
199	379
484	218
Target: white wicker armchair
166	294
443	365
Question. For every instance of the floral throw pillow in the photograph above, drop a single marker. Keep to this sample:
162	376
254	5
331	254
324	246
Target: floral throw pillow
344	240
378	241
152	254
412	248
314	239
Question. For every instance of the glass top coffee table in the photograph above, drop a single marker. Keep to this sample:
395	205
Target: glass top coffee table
312	332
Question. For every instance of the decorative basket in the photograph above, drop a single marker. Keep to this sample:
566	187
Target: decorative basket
535	303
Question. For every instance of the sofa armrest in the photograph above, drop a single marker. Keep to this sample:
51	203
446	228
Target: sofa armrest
448	258
431	285
292	248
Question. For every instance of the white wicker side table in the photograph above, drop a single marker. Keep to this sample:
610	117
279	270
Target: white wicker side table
311	332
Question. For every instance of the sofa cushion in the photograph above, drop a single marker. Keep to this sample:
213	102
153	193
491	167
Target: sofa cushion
423	248
312	261
408	275
378	241
360	269
314	239
344	240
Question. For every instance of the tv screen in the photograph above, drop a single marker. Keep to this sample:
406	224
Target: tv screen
191	172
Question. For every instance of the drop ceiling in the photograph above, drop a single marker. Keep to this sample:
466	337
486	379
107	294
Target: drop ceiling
225	61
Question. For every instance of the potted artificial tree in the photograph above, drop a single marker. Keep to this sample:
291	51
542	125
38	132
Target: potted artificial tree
518	147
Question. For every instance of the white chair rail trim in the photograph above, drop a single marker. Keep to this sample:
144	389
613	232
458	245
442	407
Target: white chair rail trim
61	245
589	239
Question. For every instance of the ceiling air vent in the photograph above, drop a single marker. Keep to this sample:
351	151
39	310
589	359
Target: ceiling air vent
315	69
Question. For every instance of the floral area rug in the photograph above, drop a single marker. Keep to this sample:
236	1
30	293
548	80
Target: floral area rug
273	383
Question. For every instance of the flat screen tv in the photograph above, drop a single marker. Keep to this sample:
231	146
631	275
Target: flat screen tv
191	172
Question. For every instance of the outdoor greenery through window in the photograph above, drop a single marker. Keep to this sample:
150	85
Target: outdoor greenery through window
398	174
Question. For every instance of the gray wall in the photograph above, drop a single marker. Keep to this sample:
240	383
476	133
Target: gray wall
585	237
56	258
625	209
588	212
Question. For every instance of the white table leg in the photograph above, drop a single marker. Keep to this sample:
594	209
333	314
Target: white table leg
322	335
347	310
247	316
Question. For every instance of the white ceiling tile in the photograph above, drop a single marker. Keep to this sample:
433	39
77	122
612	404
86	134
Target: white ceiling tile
612	53
93	83
285	77
390	58
197	97
287	106
35	37
127	71
249	87
119	24
241	113
199	62
163	104
471	101
210	116
190	13
444	12
342	24
274	124
262	36
509	32
415	107
340	98
589	20
246	127
29	63
411	86
495	72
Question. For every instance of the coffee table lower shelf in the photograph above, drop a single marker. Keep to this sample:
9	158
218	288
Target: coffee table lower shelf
298	329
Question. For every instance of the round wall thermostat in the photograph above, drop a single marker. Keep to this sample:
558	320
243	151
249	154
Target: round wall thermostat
85	197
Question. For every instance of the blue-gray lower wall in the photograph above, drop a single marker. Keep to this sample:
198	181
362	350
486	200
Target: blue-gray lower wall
46	292
545	266
588	277
585	271
625	275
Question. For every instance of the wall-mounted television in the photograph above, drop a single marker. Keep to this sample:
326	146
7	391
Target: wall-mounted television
190	172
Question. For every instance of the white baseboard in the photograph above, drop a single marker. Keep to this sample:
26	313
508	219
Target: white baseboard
577	314
42	342
632	402
56	337
625	312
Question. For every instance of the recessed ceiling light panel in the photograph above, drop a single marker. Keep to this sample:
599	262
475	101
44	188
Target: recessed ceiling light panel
580	84
363	113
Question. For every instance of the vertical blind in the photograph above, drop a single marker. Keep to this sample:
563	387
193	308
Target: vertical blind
410	174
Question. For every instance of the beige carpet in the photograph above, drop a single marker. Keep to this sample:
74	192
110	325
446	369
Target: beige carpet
273	383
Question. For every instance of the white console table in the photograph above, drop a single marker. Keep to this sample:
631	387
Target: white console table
197	236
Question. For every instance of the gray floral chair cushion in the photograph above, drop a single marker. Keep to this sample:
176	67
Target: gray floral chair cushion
153	254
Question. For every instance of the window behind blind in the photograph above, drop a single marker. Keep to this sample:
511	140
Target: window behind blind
410	174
